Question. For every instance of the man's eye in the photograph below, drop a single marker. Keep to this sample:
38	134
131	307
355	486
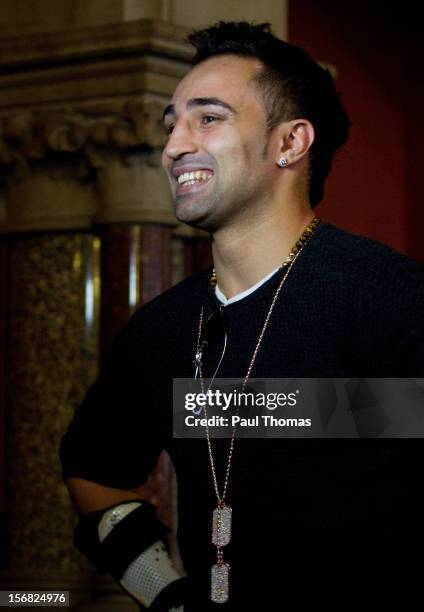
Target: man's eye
208	119
169	128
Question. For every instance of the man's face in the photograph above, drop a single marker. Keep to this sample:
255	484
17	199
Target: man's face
216	156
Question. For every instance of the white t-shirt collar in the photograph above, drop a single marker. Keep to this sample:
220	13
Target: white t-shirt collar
221	297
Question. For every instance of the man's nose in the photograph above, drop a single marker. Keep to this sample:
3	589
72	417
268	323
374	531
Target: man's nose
180	141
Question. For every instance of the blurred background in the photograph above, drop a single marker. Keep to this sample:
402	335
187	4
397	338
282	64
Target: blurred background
87	232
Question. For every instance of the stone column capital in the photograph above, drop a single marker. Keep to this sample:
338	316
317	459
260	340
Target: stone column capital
28	136
71	168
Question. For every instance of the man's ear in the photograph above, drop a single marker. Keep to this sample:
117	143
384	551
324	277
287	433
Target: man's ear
295	138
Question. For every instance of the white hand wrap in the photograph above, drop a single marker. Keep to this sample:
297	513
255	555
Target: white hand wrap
152	571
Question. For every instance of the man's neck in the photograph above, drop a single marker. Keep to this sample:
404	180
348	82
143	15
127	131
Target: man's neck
243	256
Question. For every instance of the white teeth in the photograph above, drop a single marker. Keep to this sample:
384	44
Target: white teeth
199	175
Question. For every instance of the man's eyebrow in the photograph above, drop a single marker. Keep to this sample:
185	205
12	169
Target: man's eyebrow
170	109
209	102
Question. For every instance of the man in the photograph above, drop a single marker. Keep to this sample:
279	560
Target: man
253	128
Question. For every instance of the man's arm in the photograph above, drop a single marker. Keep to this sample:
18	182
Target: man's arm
111	446
146	571
89	496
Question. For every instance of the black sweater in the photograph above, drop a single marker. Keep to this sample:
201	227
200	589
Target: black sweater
335	512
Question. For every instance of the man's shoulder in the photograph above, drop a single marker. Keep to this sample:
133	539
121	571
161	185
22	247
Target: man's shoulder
192	287
382	293
179	299
164	316
368	261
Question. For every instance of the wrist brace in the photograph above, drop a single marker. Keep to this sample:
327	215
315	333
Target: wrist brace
126	540
151	571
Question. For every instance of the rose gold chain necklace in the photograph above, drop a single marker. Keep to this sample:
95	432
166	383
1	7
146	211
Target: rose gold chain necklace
222	514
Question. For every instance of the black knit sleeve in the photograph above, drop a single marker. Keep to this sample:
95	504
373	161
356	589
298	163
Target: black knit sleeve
117	433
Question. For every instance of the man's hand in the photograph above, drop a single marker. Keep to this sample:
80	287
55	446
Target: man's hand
89	496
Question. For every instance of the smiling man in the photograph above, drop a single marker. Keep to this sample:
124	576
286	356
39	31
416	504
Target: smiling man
224	162
253	129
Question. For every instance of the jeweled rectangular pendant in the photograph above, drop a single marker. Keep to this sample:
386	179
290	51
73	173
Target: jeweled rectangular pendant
220	579
221	526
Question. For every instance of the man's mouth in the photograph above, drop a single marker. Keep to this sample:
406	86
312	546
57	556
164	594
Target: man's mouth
192	181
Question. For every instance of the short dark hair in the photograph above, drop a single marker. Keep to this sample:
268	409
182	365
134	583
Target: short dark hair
293	84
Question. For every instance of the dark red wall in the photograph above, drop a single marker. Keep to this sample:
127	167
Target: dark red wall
375	186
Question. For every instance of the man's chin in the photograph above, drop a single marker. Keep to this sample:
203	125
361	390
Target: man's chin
193	216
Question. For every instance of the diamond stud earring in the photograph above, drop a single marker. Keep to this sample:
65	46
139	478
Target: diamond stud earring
283	162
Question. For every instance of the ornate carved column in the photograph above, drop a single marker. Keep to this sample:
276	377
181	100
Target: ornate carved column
84	204
75	186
